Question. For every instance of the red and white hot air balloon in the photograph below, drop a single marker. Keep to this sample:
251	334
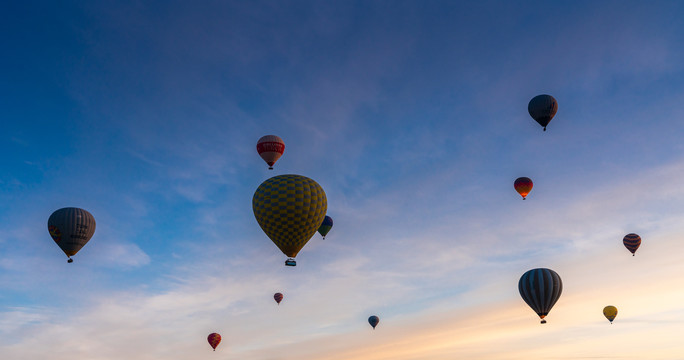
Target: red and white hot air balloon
270	148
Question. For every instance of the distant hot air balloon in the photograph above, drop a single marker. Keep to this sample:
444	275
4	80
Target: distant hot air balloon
278	297
373	321
542	108
610	312
523	185
270	148
325	226
632	242
214	339
71	228
540	288
289	208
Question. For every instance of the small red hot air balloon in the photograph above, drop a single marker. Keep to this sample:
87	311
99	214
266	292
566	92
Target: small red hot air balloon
523	185
214	339
278	297
270	148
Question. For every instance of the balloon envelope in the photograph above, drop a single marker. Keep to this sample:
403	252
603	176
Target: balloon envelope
71	228
523	185
278	297
289	208
214	339
325	226
540	288
374	321
610	312
270	148
542	108
632	242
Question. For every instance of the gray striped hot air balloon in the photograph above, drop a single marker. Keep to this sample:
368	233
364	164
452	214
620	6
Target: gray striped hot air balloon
71	228
542	108
540	288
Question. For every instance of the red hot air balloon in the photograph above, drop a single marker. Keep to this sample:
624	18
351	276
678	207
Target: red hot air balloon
523	185
214	339
270	148
632	242
278	297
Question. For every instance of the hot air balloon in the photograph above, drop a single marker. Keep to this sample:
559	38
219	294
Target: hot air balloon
270	148
214	339
71	228
523	185
373	320
289	208
632	242
542	108
610	312
325	226
278	297
540	288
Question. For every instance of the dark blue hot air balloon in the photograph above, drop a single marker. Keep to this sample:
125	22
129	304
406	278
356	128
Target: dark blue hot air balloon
540	288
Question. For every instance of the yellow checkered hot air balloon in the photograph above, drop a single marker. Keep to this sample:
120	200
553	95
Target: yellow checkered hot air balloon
289	208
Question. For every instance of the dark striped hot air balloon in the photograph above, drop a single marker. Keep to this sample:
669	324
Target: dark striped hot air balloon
632	242
540	288
523	185
214	339
71	228
325	227
542	108
374	321
278	297
270	148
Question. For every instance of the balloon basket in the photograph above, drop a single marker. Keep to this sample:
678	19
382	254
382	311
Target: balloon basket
290	262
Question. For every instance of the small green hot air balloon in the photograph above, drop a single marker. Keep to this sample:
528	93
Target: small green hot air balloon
325	226
71	228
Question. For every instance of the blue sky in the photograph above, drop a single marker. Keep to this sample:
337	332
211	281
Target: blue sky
413	118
